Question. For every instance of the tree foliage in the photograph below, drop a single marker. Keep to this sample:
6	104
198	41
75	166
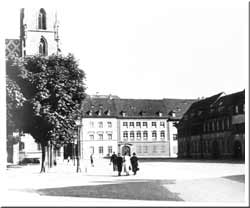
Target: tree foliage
47	91
14	101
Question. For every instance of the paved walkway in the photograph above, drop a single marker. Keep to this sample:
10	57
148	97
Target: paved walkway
178	182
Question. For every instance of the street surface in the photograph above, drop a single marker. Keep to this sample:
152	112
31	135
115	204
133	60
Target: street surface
161	183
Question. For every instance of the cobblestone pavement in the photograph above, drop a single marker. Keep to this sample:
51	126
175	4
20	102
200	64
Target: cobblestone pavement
157	183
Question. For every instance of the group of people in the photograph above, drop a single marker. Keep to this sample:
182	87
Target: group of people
127	163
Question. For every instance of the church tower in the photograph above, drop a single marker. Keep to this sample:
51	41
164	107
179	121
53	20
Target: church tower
39	32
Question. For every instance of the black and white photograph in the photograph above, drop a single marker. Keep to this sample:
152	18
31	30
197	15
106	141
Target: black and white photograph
125	103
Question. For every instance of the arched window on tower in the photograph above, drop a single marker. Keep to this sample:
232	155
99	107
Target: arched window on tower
43	50
42	19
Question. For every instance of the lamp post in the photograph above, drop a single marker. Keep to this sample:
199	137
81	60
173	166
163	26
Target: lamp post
78	123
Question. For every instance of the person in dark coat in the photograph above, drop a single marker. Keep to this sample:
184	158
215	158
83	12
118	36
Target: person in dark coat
134	163
92	160
119	161
113	159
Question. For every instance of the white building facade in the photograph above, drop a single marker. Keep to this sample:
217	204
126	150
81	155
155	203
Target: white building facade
146	137
99	136
146	127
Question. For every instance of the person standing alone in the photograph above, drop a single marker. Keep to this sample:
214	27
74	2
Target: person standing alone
134	163
92	160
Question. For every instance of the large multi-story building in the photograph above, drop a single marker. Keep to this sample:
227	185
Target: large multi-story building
214	128
147	127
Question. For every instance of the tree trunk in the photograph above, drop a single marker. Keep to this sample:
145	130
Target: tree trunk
51	155
43	159
54	155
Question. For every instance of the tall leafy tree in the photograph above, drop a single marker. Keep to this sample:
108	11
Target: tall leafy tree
53	88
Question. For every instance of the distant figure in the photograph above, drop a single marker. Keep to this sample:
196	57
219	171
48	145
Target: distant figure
68	159
119	161
92	160
113	159
134	163
127	164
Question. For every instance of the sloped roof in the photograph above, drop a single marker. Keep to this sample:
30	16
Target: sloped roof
95	105
205	103
231	99
141	107
201	108
135	108
12	47
178	106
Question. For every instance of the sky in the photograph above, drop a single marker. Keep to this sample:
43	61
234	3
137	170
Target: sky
152	49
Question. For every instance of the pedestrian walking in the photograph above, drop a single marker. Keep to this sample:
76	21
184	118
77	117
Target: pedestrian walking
127	164
113	159
92	160
134	163
119	161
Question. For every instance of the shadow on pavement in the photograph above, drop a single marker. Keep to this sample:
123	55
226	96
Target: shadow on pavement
238	178
125	189
230	161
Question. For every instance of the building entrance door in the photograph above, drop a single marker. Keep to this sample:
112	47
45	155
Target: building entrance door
126	149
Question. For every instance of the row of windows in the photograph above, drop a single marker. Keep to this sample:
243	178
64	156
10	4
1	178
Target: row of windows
151	149
100	137
100	149
216	125
236	109
143	134
205	146
139	149
100	124
144	124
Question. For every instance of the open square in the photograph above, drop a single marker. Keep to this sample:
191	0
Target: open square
157	183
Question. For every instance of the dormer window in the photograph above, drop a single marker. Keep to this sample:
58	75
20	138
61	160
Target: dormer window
89	113
172	113
42	19
159	114
108	112
123	113
99	113
142	113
